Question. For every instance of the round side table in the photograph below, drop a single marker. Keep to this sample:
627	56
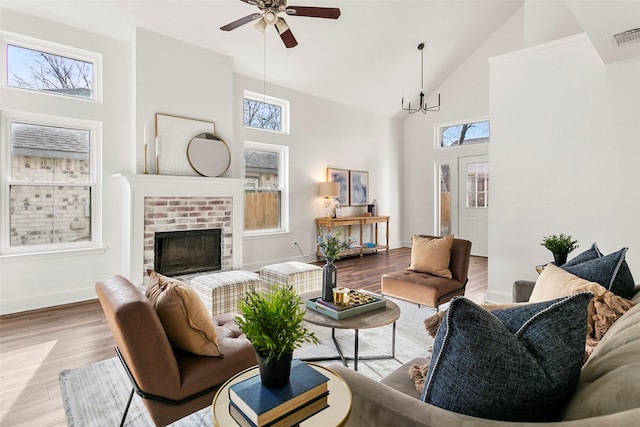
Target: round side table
336	414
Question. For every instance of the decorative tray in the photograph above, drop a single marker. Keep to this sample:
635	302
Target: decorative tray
359	302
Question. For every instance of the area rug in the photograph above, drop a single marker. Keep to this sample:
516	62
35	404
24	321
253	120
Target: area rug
96	394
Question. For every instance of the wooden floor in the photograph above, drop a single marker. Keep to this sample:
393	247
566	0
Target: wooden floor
35	346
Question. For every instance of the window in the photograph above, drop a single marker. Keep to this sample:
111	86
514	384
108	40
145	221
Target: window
463	134
265	112
266	197
477	185
51	188
444	184
50	171
40	66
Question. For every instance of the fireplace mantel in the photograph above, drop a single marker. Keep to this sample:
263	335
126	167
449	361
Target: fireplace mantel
138	186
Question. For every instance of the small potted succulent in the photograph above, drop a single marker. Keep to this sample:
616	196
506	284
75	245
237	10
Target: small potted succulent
272	321
560	245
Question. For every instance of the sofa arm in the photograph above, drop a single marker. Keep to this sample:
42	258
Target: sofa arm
522	290
376	404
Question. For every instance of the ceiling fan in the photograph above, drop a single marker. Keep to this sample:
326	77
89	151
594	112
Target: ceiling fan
268	15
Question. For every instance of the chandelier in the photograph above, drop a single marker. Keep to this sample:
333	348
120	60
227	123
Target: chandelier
423	105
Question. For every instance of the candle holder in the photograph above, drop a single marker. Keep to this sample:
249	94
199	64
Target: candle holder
145	159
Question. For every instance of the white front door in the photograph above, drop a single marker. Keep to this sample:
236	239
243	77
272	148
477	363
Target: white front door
473	202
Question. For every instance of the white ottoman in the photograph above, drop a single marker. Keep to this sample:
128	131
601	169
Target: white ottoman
222	292
301	276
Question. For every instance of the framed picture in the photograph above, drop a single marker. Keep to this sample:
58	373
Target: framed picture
341	176
338	212
358	188
173	134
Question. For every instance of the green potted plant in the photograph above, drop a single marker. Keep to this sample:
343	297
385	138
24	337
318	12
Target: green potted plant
272	321
560	245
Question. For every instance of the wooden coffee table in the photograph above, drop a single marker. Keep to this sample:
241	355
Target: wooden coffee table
371	319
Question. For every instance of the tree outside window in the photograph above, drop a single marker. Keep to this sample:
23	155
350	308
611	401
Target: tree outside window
265	112
46	72
262	115
464	134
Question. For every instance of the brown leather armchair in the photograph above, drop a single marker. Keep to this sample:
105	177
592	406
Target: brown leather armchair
171	382
429	290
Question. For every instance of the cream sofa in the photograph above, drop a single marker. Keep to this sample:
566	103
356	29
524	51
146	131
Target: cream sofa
608	392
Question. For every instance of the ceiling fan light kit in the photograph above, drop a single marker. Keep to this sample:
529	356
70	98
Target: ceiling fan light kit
269	16
423	105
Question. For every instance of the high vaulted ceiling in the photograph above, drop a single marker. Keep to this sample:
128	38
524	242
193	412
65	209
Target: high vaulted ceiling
368	58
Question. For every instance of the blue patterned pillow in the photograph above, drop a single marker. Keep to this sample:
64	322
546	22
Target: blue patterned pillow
517	364
610	271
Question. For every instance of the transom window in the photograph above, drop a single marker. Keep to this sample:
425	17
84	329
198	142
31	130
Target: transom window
464	134
266	194
265	112
48	68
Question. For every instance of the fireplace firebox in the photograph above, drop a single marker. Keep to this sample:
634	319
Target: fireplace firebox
186	252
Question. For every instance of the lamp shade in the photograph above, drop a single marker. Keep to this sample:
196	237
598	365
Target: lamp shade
329	189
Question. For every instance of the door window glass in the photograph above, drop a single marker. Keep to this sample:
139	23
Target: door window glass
478	185
444	172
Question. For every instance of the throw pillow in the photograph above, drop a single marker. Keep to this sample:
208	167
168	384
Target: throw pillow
183	315
516	364
418	373
605	270
431	255
592	253
555	282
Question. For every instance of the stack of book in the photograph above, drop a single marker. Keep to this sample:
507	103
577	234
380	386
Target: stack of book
253	405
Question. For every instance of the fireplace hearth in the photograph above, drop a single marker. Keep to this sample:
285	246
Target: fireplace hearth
185	252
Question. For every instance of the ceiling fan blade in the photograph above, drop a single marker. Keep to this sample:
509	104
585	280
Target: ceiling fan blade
285	33
235	24
258	3
314	12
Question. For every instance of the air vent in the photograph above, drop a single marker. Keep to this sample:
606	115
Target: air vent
626	37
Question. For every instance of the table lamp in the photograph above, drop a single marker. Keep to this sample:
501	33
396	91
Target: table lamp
328	190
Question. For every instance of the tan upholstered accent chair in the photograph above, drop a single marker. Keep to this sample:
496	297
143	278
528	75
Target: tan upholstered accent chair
427	289
171	382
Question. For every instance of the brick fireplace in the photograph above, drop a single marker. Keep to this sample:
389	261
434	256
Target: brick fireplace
162	203
174	214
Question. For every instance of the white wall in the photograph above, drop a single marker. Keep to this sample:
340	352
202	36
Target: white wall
564	157
465	95
545	21
28	282
173	77
323	134
154	74
177	78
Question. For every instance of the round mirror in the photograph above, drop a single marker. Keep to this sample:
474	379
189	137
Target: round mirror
208	155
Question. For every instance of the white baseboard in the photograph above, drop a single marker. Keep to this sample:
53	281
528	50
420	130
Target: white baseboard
17	305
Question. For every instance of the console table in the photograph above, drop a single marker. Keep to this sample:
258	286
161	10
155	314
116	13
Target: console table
360	222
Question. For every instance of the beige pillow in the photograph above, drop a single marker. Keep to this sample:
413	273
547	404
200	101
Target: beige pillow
431	255
183	315
555	282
